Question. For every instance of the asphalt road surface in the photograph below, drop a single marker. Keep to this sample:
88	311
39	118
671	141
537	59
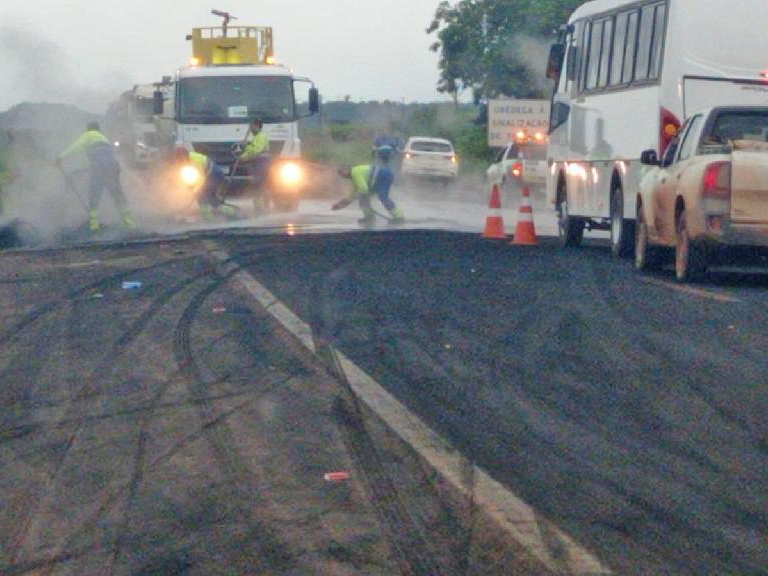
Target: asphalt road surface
627	409
170	427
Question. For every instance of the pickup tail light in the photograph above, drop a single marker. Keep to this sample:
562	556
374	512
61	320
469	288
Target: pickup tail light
516	170
454	158
717	181
670	126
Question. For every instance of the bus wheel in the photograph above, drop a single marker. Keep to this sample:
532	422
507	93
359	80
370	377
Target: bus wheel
570	230
622	230
690	256
647	257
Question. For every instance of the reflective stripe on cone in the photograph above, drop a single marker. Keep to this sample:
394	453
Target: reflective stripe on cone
494	223
525	233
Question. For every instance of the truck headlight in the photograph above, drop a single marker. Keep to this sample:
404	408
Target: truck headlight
190	175
290	174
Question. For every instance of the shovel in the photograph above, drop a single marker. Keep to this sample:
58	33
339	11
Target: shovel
73	189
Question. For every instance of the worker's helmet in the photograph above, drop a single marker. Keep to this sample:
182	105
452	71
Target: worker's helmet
92	126
384	153
257	122
180	154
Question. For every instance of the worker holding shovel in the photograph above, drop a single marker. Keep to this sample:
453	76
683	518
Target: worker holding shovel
105	173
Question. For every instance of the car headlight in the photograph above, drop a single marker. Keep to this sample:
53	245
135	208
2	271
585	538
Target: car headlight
290	174
190	175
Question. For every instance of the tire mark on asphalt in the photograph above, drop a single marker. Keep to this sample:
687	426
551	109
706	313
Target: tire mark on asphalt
31	317
415	555
114	498
108	365
270	552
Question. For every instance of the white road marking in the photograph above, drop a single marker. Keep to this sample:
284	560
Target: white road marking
556	551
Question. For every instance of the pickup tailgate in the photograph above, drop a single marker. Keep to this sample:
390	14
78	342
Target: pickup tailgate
534	171
749	182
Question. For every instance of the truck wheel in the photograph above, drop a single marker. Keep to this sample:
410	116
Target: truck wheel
690	256
647	257
622	230
570	230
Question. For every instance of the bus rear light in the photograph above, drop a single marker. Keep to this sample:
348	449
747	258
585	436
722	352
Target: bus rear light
670	125
516	170
717	181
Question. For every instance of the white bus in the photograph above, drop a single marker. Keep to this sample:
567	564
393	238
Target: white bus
628	73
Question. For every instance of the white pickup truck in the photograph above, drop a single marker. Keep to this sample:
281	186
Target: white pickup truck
708	196
518	165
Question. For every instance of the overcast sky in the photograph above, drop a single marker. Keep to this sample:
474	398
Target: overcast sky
87	51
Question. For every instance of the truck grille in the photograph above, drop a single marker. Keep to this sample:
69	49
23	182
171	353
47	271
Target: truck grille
222	152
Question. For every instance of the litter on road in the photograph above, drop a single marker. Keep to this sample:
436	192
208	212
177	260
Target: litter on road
336	476
132	285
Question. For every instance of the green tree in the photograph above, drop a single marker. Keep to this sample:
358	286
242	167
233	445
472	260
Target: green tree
482	45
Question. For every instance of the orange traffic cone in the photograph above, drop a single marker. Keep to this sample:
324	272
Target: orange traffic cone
494	224
525	233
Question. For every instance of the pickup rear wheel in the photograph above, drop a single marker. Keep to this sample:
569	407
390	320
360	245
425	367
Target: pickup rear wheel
622	230
647	257
690	256
570	230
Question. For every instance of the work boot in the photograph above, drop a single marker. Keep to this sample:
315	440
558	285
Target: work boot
368	218
397	215
206	211
128	220
93	221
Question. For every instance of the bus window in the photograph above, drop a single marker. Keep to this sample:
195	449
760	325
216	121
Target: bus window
566	65
605	57
629	53
593	63
658	41
619	36
644	42
584	56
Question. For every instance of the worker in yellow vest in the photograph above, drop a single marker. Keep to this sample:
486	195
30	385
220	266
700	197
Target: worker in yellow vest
105	173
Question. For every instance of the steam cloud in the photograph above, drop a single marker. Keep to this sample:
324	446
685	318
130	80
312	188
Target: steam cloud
42	72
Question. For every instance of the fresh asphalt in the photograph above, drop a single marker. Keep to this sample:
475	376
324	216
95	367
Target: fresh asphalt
628	410
625	408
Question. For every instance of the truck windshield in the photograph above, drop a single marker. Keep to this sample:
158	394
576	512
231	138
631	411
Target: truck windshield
221	100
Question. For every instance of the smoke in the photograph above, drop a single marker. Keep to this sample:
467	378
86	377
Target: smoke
41	71
534	53
50	99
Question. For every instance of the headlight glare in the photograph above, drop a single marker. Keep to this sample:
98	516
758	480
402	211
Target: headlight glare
190	175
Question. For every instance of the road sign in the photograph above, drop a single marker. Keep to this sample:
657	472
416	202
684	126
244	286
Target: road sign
506	117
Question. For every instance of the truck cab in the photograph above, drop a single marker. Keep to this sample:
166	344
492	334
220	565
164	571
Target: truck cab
233	78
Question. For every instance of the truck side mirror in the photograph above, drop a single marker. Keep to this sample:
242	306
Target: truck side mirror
649	158
555	61
314	101
157	103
